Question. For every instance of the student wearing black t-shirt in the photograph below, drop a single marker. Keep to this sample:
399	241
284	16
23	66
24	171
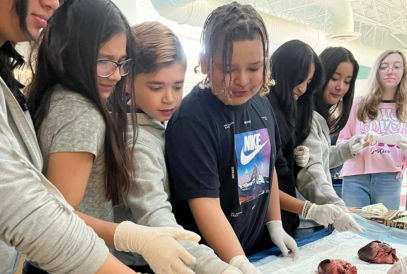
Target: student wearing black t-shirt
223	141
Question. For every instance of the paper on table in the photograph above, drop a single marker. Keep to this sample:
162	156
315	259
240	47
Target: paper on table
375	208
342	246
392	139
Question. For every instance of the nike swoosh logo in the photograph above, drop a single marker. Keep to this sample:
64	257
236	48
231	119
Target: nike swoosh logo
245	159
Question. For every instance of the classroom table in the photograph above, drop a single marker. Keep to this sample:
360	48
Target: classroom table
275	251
322	245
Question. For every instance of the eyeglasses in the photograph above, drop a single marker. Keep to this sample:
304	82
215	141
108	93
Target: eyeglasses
396	68
105	68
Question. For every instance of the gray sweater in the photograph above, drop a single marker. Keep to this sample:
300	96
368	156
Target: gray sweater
148	200
35	219
314	181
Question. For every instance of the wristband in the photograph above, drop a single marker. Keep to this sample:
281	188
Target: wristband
305	209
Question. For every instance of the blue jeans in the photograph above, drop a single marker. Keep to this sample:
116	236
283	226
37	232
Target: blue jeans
30	269
367	189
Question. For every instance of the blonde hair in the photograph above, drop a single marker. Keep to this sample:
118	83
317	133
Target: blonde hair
157	47
368	108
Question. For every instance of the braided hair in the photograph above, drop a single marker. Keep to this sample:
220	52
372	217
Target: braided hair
230	23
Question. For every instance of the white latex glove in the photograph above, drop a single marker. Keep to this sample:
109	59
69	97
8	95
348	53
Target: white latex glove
324	214
157	245
402	145
232	270
242	263
356	143
399	267
372	137
281	239
347	222
301	154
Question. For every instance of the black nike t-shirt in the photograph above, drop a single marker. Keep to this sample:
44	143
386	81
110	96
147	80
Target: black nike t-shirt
225	152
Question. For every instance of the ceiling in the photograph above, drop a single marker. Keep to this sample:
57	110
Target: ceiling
382	23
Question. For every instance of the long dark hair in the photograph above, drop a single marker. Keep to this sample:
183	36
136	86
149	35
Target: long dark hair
67	55
10	59
290	65
336	116
234	22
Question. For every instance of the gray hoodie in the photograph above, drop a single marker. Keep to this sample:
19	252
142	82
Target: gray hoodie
148	200
35	219
314	181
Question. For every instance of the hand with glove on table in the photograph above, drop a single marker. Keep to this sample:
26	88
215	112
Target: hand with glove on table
399	267
346	222
332	214
315	184
158	246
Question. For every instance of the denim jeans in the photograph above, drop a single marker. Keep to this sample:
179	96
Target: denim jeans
367	189
30	269
144	269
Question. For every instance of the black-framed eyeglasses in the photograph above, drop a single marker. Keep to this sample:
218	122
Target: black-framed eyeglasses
105	68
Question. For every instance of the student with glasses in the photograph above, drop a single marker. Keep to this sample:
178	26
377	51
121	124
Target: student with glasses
83	59
375	174
105	68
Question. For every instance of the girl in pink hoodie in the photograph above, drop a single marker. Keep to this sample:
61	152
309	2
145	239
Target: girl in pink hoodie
375	174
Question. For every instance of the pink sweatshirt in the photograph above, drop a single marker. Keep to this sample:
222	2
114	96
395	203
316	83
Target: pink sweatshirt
380	157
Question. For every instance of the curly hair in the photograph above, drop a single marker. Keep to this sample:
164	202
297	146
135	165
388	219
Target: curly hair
230	23
368	108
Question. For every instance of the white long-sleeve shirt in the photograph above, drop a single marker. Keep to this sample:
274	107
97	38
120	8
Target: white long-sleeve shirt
35	219
314	181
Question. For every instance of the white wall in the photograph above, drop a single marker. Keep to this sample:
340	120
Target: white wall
138	11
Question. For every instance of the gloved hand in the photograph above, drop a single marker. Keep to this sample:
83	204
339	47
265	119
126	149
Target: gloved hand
400	267
346	222
402	145
356	143
232	270
242	263
157	245
301	154
281	239
324	214
372	137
